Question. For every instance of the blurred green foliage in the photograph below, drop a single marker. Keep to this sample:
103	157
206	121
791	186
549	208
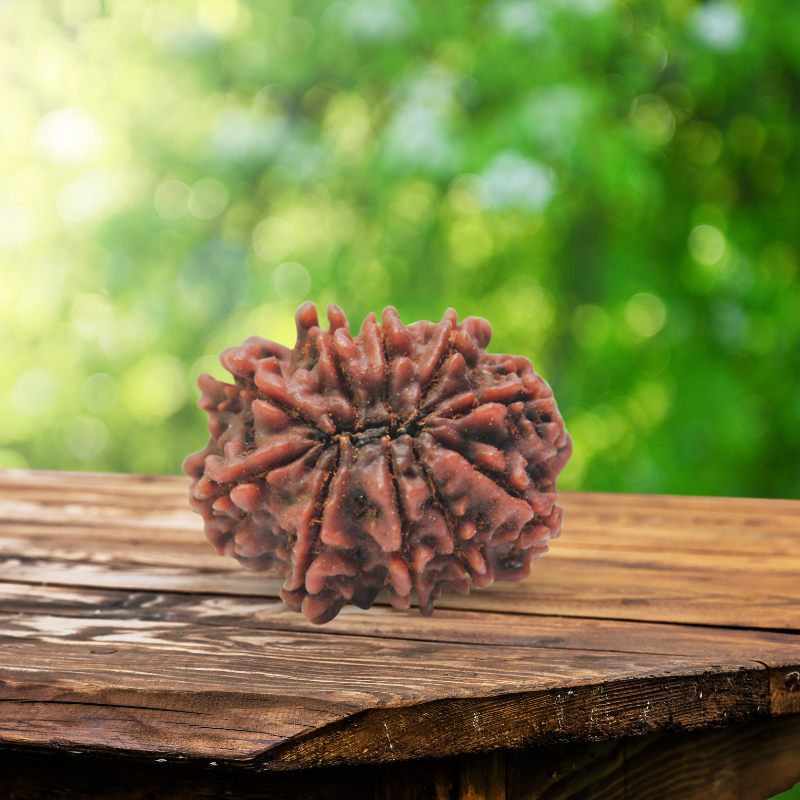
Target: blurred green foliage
615	187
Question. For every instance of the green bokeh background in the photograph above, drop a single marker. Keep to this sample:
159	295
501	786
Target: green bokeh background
615	187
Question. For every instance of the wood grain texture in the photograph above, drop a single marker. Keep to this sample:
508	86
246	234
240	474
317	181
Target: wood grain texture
624	557
294	700
773	649
121	632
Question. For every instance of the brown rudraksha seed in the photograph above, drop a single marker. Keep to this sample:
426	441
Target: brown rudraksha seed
404	457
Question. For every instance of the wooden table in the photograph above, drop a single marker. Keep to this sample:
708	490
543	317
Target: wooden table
647	657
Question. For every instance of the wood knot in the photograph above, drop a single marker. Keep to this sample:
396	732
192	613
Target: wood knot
793	681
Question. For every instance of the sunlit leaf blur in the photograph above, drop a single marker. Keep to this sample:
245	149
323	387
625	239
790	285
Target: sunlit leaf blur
616	187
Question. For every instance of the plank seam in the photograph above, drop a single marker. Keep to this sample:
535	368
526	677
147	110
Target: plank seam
451	609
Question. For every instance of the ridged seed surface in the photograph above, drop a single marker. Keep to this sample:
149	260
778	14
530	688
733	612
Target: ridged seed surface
406	456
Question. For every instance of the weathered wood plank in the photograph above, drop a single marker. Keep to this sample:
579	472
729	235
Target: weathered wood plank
85	485
696	589
690	560
224	578
778	650
442	728
701	590
148	644
235	694
624	522
671	522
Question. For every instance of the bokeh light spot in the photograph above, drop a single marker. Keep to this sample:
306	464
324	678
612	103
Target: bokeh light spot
528	308
76	202
515	181
208	198
99	393
38	309
413	208
172	199
703	142
292	282
214	278
81	10
91	313
707	244
467	194
122	337
645	314
219	17
521	19
719	24
67	136
653	401
154	389
273	320
377	20
34	393
84	438
273	239
653	120
17	227
161	23
295	34
470	241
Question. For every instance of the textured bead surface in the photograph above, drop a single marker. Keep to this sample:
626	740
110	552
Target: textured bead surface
402	457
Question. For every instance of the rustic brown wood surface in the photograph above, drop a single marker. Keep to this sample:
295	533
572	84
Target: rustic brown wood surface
122	634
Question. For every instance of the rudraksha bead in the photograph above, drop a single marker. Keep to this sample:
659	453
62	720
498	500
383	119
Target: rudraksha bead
405	457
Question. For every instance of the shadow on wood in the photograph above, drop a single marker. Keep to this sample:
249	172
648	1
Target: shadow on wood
751	761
